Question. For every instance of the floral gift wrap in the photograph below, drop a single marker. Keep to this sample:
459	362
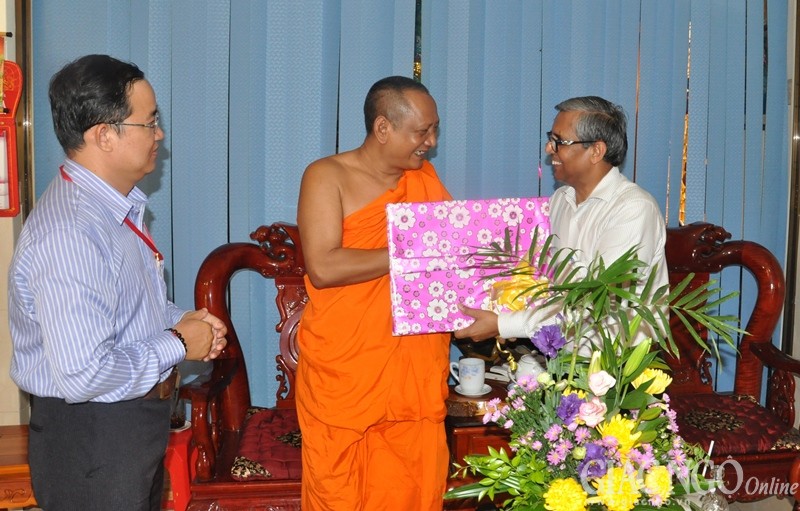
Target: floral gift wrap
433	261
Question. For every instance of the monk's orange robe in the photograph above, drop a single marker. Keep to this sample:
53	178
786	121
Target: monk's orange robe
371	405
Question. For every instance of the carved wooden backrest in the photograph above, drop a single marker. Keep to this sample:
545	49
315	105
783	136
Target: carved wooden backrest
704	249
278	256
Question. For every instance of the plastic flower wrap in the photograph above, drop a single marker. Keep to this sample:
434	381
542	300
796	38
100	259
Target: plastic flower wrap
511	294
595	430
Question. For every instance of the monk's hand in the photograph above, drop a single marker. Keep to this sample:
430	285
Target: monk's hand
484	326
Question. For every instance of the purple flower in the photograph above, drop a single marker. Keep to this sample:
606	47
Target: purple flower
563	447
594	464
677	456
582	434
569	407
494	411
554	457
644	457
553	433
526	382
548	340
672	417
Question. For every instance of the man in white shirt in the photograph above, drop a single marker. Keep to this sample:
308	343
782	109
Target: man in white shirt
598	212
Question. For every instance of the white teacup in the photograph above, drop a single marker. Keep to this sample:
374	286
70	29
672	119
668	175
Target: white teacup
530	365
470	374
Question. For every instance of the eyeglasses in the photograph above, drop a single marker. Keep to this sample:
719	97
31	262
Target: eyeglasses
152	125
557	142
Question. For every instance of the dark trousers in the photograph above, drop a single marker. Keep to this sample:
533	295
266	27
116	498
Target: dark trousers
98	456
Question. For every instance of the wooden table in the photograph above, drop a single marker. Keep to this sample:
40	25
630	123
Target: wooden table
15	475
467	434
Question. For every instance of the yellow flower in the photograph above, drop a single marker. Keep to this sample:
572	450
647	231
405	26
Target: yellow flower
512	293
617	490
565	495
572	390
658	483
661	380
622	429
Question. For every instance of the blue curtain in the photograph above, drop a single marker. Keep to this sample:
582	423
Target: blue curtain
700	78
252	91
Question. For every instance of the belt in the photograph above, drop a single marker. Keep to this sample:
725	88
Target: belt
165	389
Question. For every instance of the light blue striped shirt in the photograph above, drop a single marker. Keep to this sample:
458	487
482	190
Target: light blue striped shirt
87	304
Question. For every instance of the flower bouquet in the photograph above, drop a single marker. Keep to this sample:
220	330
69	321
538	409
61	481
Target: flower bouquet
595	430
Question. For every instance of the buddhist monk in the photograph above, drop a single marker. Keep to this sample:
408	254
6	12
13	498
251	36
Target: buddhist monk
371	405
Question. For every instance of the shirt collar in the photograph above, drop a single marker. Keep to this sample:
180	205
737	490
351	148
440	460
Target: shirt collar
120	205
604	190
606	187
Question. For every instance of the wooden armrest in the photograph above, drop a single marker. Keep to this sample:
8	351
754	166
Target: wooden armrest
772	357
781	384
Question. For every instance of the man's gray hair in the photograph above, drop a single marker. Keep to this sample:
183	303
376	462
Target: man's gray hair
600	120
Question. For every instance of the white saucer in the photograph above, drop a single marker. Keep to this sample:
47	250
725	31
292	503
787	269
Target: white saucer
485	390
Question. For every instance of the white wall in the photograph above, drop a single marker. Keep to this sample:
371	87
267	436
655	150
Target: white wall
13	405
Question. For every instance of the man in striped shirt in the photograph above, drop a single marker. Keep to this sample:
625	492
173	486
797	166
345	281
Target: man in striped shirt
95	339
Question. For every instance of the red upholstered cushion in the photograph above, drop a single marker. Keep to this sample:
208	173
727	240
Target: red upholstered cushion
736	424
269	446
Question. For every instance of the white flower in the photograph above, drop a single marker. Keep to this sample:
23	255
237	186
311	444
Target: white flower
436	264
460	323
404	219
411	276
437	310
600	382
512	215
465	274
435	288
459	217
484	236
430	238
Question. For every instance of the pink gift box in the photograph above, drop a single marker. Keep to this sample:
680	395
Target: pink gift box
431	253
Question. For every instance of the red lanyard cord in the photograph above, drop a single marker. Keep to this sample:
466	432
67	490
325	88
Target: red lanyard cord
144	236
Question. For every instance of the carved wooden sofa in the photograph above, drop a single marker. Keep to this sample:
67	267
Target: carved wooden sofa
758	439
246	458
